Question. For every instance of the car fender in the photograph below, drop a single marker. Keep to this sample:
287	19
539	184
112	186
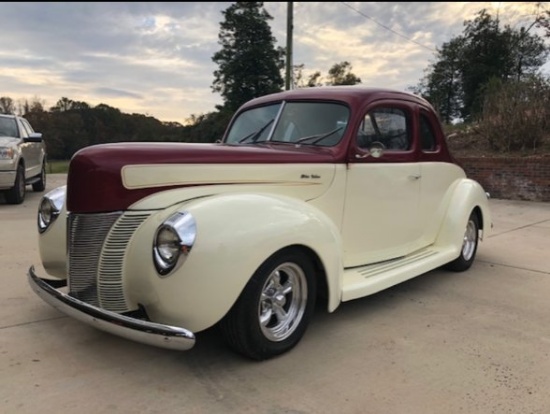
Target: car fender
467	196
236	233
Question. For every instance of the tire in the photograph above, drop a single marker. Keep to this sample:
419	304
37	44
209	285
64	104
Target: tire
274	309
16	194
469	246
41	184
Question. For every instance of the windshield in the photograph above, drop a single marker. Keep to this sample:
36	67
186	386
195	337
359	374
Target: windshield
8	127
311	123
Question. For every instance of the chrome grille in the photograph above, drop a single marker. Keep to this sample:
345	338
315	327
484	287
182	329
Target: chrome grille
86	233
97	245
111	292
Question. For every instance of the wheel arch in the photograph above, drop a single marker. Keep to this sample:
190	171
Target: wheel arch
301	226
322	295
468	197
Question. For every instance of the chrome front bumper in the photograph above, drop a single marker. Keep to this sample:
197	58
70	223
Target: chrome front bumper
145	332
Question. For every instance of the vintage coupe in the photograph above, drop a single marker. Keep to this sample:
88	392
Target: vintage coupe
328	194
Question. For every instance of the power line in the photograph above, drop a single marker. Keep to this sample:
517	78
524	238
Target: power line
388	28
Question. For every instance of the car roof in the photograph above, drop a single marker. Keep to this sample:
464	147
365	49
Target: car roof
350	94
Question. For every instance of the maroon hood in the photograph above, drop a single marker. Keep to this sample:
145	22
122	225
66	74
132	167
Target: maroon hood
94	181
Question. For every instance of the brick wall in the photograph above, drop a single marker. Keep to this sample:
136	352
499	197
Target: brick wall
511	178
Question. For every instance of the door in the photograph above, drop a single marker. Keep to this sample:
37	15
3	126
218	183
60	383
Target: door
383	191
32	151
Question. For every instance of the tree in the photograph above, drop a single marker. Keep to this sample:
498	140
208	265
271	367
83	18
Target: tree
464	66
340	74
36	105
64	104
249	64
7	106
441	85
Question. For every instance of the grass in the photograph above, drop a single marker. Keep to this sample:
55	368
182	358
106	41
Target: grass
57	167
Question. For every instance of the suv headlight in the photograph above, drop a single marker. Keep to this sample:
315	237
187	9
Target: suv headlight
50	207
6	153
173	241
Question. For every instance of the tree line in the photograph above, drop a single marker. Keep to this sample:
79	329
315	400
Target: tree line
471	74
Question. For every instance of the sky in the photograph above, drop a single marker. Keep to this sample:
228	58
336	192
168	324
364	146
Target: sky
155	58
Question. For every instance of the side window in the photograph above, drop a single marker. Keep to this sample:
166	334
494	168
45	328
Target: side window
427	136
23	132
27	126
387	126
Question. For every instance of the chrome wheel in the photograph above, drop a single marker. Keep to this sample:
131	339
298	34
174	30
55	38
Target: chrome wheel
470	240
274	309
283	302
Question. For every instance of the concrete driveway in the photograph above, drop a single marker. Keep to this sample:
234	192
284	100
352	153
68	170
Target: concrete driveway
475	342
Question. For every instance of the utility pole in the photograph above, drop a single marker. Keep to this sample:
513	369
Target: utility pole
289	26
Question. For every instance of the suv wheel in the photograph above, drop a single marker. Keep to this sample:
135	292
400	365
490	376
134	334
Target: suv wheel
40	185
16	194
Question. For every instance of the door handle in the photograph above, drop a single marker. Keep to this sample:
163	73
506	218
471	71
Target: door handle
415	176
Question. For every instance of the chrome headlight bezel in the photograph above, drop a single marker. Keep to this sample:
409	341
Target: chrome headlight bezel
173	242
50	207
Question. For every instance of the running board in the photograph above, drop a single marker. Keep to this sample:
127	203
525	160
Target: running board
366	280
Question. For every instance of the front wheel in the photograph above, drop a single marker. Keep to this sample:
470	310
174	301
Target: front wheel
469	246
274	309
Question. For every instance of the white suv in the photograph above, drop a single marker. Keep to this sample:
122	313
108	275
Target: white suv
22	158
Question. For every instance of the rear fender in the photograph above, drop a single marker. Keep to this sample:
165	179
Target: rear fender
468	196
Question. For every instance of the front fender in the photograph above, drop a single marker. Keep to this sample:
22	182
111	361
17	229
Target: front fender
468	196
52	246
236	233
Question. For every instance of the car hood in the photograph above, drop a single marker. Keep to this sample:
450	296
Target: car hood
8	141
112	177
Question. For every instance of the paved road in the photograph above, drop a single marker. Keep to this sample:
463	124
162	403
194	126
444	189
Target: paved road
476	342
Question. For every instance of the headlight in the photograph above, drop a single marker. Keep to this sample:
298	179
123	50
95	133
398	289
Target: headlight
50	207
173	242
6	153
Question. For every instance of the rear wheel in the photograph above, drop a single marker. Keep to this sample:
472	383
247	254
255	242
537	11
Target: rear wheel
469	246
16	194
40	185
274	309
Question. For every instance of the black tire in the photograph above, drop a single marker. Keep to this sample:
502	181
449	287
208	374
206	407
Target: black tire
16	194
274	309
40	185
469	246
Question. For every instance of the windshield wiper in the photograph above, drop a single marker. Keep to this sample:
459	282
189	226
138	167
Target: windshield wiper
318	137
253	137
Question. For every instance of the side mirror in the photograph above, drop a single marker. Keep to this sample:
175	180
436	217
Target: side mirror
34	137
375	150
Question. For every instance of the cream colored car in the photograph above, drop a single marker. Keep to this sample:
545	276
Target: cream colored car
22	158
319	194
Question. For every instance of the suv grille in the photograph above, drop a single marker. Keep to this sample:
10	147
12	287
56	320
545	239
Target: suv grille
97	245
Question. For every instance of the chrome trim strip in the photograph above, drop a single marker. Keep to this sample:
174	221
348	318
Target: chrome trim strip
145	332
